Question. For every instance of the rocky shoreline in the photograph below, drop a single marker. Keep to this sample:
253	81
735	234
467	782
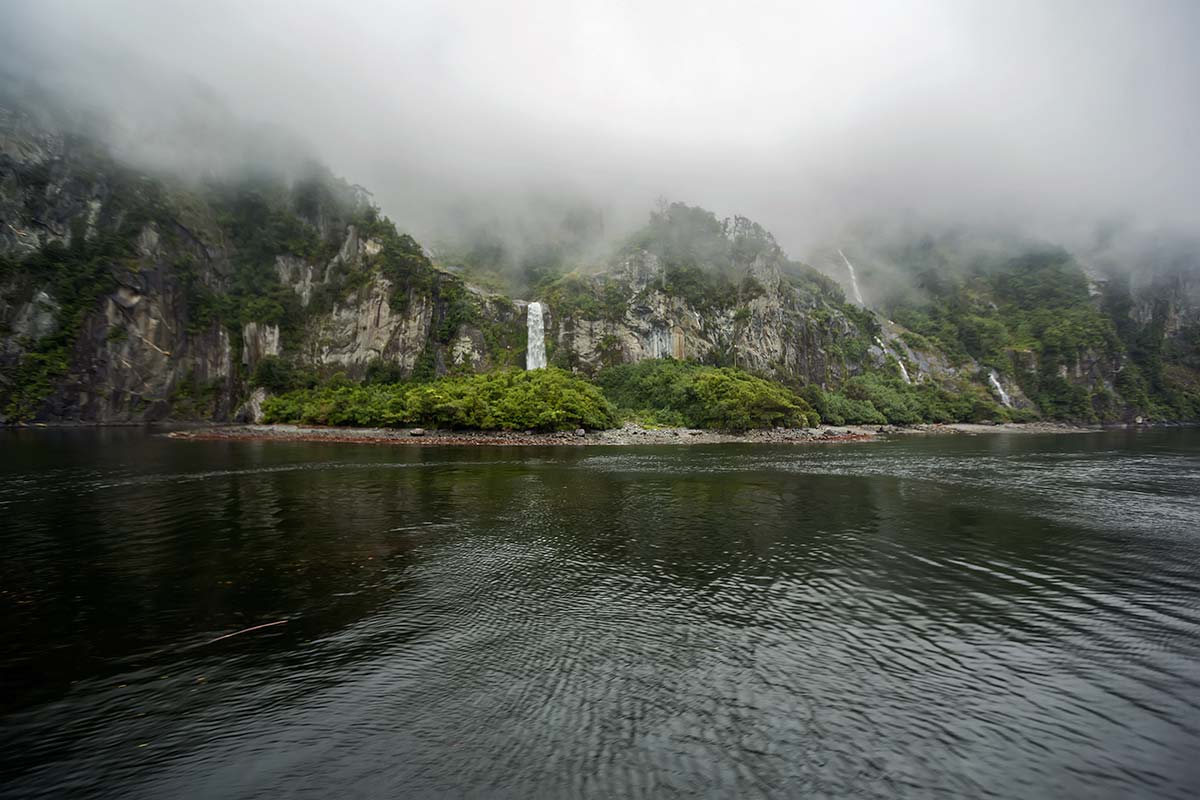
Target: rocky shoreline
628	434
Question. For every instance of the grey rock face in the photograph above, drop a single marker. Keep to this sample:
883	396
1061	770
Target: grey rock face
250	412
258	342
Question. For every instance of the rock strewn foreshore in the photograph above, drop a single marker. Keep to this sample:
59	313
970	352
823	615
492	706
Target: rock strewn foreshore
628	434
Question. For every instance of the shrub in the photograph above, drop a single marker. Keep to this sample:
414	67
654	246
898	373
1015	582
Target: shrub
875	399
273	374
704	397
544	400
380	371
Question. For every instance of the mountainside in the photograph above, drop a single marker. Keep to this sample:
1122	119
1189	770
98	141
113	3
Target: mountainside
1105	337
128	297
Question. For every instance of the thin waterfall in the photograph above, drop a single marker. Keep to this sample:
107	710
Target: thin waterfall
994	380
895	355
535	349
853	279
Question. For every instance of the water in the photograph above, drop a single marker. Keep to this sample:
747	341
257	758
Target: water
858	298
899	361
535	352
1005	616
994	380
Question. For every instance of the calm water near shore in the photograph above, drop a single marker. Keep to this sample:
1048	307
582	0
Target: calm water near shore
997	615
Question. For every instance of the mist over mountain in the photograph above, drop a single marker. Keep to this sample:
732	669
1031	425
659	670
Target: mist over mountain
1056	120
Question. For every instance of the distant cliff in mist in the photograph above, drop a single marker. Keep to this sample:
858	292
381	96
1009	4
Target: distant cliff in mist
131	297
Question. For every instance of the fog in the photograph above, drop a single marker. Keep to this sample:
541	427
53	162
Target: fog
1053	118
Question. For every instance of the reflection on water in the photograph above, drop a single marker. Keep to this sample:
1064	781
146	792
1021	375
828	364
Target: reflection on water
1005	615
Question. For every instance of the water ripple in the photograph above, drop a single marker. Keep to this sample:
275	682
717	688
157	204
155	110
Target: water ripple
997	616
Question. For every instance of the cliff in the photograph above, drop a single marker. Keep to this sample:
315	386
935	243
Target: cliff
133	297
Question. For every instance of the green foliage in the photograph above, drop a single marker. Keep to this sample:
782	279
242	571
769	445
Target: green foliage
194	399
33	380
575	295
875	399
704	397
401	260
988	309
705	259
814	288
76	277
455	307
503	336
380	371
544	400
274	374
1160	375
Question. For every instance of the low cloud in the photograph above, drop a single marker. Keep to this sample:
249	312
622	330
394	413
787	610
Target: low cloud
1054	118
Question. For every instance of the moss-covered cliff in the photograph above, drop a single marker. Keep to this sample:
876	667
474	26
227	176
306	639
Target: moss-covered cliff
128	297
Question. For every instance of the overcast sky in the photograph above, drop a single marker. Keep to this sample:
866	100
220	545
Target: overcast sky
802	115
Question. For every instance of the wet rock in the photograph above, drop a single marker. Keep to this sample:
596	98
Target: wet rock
251	410
417	432
580	431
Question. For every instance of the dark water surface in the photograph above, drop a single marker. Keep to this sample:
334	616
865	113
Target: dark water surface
1010	616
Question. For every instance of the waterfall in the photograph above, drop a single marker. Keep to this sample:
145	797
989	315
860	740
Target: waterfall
853	279
994	380
535	349
893	354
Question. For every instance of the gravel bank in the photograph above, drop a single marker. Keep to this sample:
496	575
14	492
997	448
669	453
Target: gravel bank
628	434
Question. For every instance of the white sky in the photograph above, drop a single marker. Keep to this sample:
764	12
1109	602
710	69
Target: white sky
802	115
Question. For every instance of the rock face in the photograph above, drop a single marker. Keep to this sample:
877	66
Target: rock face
120	301
251	410
773	333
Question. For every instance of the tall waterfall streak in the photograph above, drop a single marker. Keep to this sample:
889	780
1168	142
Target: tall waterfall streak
903	370
853	279
535	349
994	380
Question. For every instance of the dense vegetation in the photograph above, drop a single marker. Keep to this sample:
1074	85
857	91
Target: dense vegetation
661	392
876	398
1034	318
543	400
75	276
705	259
223	238
670	392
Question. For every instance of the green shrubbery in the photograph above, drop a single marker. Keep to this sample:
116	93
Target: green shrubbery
661	392
679	392
875	399
1038	303
542	400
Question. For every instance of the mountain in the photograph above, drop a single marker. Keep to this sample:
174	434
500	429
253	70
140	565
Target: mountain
127	296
